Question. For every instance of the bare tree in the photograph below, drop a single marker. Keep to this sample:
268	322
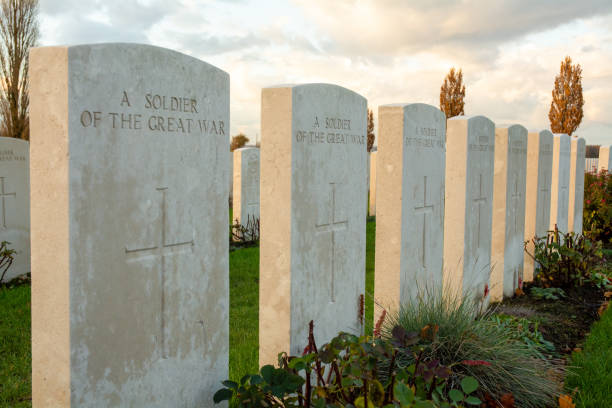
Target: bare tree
566	112
452	94
18	33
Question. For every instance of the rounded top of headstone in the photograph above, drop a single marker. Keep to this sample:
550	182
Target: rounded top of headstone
14	140
475	118
316	85
143	51
416	106
246	148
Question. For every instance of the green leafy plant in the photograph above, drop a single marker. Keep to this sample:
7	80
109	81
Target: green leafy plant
6	258
353	371
597	209
547	293
564	260
474	345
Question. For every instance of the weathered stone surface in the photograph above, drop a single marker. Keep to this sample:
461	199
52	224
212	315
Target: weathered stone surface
605	159
559	190
537	194
372	183
246	185
470	150
313	213
508	210
15	203
129	175
576	188
410	219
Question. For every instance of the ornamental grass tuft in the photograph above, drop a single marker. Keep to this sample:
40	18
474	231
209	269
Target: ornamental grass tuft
474	344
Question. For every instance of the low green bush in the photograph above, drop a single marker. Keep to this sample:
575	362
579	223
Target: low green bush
476	345
564	260
353	371
597	210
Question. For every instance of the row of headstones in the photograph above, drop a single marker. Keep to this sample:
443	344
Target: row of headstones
129	185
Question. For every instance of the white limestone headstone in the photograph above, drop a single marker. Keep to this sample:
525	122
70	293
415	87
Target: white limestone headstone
470	150
537	194
313	215
410	220
372	182
576	190
559	191
605	159
246	185
15	203
129	175
508	228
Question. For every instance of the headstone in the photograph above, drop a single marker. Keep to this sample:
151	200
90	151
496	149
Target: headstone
537	194
508	228
15	203
372	183
129	152
605	159
313	215
470	150
246	185
576	188
559	191
410	220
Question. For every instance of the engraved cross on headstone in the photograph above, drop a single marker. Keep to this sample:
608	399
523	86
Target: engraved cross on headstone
479	200
4	194
332	225
162	250
424	209
544	188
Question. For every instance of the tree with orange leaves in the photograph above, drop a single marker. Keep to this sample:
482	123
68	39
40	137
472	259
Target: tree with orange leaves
371	136
452	94
566	107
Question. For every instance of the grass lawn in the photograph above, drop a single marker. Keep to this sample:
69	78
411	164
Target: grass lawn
592	367
15	348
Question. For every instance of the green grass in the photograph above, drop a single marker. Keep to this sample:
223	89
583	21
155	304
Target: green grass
15	347
592	367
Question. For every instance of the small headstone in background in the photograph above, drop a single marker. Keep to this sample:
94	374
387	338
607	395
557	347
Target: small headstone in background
15	203
605	159
559	191
537	194
246	185
508	227
313	215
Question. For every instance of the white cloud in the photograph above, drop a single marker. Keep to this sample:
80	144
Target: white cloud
389	51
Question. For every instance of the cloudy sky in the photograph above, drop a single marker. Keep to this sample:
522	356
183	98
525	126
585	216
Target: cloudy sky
389	51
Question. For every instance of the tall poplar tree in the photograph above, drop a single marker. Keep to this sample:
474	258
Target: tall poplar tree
566	112
452	94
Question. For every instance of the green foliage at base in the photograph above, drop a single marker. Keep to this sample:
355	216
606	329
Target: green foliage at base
15	347
502	360
591	369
